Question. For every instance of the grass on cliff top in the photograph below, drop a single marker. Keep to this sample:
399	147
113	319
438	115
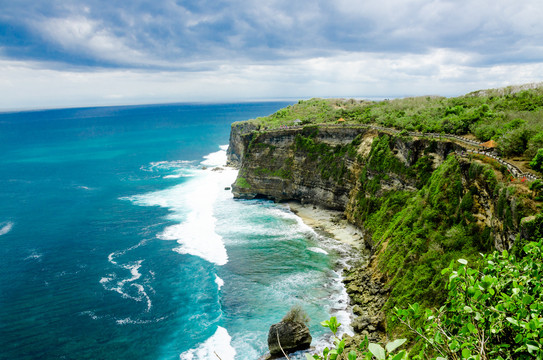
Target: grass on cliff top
511	116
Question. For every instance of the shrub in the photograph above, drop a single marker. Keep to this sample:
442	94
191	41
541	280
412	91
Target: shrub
492	313
297	315
537	161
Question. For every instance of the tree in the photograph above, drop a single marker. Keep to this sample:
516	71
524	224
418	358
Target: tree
537	161
537	188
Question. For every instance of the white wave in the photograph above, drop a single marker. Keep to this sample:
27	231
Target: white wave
217	158
318	250
6	227
191	204
110	282
219	281
166	165
178	175
129	320
218	344
34	255
90	314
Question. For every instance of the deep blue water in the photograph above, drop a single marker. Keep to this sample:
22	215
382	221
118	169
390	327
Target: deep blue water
116	242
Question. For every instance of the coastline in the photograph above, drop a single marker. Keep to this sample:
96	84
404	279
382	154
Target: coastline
331	223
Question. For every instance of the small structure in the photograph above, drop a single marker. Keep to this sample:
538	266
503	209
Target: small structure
489	145
340	120
297	122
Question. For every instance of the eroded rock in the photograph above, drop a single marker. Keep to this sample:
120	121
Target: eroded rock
293	336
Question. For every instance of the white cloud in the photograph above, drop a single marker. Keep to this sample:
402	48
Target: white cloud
235	49
440	72
91	38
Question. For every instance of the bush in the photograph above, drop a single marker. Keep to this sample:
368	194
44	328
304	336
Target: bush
537	161
492	313
296	315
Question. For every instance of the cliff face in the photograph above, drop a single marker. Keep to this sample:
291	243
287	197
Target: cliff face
421	203
323	166
277	166
237	146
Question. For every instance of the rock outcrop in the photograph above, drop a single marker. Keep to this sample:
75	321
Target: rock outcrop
290	336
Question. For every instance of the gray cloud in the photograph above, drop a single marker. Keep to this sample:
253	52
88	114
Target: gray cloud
170	34
105	50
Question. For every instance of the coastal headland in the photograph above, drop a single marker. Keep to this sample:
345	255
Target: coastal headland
410	199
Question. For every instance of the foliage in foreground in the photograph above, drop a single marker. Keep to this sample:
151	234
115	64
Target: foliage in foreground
492	313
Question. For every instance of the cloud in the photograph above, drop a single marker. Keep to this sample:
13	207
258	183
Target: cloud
360	75
249	48
170	33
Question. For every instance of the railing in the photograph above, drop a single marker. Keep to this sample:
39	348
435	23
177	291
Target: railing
513	169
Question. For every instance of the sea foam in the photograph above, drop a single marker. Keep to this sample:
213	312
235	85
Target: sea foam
218	344
191	204
5	227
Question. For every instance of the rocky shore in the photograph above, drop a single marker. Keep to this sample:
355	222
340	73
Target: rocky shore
331	223
364	284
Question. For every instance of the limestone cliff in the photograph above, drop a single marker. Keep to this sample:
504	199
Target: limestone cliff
421	202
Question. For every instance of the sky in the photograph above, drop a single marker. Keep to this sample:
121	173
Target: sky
64	53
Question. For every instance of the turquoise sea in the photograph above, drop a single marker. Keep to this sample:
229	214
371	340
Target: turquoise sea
118	239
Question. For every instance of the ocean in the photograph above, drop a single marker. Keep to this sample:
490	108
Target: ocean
118	239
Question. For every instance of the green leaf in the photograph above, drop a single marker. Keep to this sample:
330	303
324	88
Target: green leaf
352	355
512	321
527	299
399	355
377	351
532	346
364	344
340	347
466	353
393	345
462	261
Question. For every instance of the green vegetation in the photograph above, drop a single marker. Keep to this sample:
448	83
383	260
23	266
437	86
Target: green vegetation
491	312
242	183
296	314
537	161
510	117
424	213
418	233
537	188
331	160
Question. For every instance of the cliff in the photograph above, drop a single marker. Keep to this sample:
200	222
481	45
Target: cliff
421	203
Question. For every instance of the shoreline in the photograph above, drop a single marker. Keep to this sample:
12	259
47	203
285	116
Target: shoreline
331	223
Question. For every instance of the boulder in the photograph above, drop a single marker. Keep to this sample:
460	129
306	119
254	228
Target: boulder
293	336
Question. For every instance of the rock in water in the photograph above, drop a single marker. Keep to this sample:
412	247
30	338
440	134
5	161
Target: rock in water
293	336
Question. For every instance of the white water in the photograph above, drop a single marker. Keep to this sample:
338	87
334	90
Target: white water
191	204
5	227
127	287
218	344
195	205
